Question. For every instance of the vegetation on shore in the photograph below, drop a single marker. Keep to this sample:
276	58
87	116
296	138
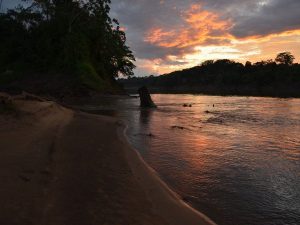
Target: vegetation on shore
63	47
279	77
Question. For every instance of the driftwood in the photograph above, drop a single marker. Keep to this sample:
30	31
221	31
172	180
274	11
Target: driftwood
145	98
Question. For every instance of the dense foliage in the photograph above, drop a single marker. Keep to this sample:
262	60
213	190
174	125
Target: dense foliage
266	78
76	38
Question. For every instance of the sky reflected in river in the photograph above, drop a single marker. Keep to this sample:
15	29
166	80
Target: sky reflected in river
237	159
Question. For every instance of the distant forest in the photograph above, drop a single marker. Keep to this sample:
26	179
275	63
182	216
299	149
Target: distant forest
61	47
278	78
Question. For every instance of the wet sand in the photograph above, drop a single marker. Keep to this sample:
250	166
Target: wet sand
60	167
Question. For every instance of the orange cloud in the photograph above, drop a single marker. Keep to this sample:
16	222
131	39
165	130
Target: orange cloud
199	27
204	35
242	50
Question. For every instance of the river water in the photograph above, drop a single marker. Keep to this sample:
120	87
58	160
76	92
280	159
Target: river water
236	159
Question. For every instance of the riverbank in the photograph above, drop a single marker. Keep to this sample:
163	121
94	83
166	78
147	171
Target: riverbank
225	78
272	92
60	166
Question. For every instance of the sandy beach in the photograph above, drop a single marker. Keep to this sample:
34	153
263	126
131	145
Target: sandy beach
65	167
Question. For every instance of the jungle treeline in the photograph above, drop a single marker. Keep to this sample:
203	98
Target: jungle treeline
278	78
62	47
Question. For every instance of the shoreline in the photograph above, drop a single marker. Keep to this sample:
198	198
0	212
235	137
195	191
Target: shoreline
61	166
133	90
168	201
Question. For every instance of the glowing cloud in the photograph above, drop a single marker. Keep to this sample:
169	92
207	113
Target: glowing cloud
204	35
175	34
199	27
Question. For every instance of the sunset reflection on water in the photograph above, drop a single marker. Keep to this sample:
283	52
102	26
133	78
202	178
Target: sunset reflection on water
236	159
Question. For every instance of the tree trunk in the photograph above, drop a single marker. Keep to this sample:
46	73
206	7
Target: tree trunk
145	98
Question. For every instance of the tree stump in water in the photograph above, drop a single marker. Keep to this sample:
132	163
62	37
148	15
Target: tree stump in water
145	98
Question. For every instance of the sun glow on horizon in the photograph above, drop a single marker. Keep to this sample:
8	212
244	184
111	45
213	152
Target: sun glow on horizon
204	35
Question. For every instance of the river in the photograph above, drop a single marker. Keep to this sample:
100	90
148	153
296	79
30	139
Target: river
236	159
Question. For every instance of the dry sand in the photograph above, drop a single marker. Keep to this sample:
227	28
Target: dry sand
60	167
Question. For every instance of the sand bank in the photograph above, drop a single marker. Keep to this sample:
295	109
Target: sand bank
60	167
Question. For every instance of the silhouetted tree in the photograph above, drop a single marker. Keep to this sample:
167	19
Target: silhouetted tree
285	58
248	64
74	37
227	77
207	63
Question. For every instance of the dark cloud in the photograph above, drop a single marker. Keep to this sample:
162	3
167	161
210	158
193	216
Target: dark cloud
9	4
169	62
149	51
138	16
274	17
257	17
248	18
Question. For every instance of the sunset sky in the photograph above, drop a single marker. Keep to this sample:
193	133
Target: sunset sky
168	35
